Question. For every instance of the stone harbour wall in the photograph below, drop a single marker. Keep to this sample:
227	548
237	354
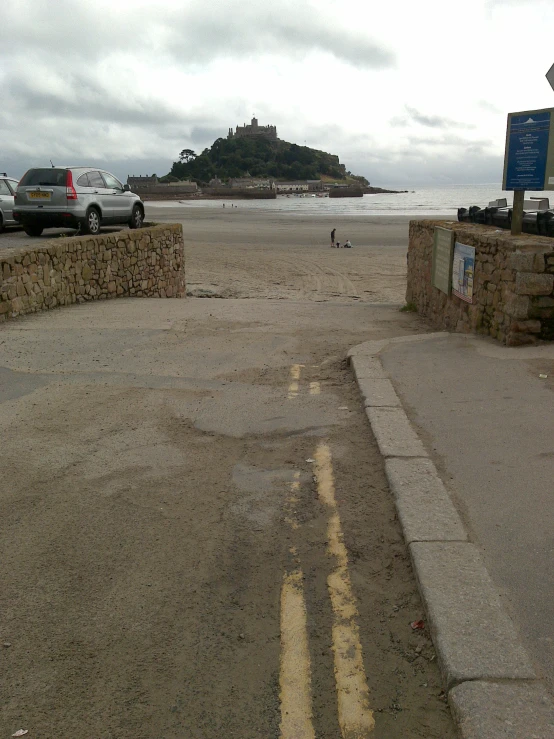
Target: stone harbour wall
147	262
513	287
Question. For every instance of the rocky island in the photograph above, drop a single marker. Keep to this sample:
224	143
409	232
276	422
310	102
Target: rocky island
253	162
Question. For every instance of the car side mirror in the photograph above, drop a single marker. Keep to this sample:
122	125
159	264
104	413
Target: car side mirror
126	188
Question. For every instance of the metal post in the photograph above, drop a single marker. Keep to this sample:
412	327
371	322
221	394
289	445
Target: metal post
517	212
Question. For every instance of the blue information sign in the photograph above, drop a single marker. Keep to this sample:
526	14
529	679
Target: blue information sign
527	150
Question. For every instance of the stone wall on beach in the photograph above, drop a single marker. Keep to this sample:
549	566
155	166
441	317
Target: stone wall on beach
513	287
148	262
247	193
212	193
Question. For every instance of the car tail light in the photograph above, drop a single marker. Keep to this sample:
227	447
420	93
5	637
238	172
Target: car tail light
69	189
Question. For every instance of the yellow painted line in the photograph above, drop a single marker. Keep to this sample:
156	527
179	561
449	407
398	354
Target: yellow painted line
293	390
295	372
356	719
334	538
295	677
315	388
294	488
324	473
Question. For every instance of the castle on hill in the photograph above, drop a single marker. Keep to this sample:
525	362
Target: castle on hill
253	130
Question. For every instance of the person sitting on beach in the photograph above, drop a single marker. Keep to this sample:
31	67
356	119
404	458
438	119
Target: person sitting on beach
338	244
347	244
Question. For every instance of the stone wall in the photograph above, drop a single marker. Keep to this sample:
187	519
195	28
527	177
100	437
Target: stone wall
164	190
148	262
250	193
513	288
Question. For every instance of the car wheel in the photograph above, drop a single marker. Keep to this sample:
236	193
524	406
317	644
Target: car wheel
91	224
1	223
137	217
33	230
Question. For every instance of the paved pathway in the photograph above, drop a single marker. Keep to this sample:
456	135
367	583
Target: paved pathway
487	417
482	413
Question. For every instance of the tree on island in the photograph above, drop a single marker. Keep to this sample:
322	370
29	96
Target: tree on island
187	155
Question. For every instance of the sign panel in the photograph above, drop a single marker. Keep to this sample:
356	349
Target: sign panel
443	247
463	268
529	154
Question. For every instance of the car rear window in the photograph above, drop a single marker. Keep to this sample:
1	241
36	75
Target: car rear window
50	177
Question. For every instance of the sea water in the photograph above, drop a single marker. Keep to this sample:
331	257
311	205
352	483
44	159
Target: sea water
433	201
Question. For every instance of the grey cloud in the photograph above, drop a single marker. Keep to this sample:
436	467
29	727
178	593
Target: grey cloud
407	172
450	140
203	136
16	166
399	121
446	156
243	29
85	99
198	33
429	121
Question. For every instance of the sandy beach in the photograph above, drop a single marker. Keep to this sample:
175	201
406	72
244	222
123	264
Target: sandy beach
243	253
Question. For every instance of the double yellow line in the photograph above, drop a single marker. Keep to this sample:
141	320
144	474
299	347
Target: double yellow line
294	385
355	717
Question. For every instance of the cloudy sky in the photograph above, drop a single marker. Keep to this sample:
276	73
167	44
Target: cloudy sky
405	92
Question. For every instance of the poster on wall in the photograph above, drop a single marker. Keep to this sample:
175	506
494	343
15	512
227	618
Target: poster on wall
463	268
443	245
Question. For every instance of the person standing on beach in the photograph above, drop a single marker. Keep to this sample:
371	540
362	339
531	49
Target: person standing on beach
333	237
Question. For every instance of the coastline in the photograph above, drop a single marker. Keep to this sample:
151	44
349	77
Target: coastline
257	195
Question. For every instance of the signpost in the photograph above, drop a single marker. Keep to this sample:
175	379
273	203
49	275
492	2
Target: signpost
529	156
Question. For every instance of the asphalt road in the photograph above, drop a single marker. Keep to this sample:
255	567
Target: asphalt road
197	539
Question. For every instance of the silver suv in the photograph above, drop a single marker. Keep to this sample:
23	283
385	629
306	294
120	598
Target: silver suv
8	186
75	197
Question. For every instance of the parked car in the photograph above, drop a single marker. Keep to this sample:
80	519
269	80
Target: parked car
84	198
8	186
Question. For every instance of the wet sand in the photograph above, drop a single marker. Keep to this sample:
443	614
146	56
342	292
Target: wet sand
245	253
